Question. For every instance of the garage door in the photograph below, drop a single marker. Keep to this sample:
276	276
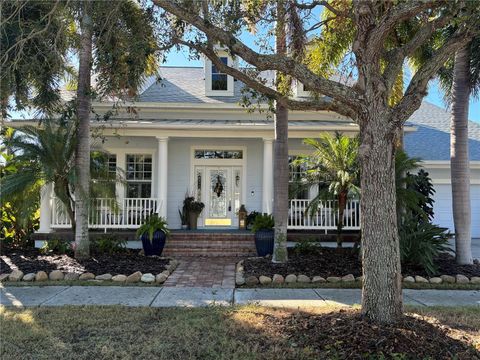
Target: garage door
443	208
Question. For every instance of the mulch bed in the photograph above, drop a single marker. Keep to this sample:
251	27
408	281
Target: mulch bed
347	335
30	261
339	262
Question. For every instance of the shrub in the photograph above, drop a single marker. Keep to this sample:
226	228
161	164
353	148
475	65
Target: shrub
56	246
251	218
307	246
109	244
421	243
263	222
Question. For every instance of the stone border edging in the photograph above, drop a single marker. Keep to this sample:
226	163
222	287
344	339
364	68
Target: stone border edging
55	275
293	278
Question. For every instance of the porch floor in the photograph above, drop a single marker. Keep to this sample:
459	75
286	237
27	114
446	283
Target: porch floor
214	272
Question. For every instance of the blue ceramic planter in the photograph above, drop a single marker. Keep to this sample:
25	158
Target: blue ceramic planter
154	247
264	242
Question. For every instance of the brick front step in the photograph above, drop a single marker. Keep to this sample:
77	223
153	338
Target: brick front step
210	244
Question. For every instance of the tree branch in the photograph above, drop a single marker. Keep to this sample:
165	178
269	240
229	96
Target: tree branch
322	104
417	88
285	64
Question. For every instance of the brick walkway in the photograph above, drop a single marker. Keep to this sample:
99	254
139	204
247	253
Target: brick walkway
215	272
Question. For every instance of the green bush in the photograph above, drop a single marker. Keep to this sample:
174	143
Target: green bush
251	218
263	222
421	243
56	246
109	244
307	246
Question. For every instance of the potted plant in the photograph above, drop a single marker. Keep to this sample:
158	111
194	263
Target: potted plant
183	217
251	218
264	235
194	209
153	234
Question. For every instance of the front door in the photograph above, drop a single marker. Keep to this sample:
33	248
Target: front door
221	195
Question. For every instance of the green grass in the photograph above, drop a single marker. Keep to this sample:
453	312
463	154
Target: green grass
174	333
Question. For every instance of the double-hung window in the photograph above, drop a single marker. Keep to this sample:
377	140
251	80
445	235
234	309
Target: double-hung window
219	79
139	175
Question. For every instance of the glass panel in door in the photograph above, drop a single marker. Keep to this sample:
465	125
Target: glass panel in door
219	198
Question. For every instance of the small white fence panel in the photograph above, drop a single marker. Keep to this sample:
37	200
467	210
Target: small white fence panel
325	217
105	213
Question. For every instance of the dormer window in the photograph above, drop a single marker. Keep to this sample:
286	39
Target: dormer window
218	83
302	90
219	79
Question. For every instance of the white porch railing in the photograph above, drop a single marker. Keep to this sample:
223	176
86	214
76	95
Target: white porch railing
325	218
109	213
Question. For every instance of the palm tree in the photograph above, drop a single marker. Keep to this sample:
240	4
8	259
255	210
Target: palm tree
334	162
47	155
465	79
116	42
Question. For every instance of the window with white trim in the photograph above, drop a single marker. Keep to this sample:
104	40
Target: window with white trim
219	79
139	175
296	179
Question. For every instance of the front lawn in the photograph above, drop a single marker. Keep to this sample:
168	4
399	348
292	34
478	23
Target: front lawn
234	333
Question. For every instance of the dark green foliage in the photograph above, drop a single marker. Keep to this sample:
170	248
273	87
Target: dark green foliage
57	246
263	222
251	218
421	243
109	244
307	246
193	206
153	223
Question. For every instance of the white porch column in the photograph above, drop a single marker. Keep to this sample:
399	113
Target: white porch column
45	208
162	174
267	188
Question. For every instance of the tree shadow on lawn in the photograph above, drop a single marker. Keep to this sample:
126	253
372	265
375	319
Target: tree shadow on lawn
222	333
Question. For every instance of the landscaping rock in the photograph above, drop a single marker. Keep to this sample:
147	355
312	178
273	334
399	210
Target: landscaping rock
161	278
348	278
303	279
104	277
170	267
278	279
56	275
251	280
86	276
4	277
462	279
436	280
29	277
475	280
41	276
448	279
318	279
334	279
119	278
71	276
166	273
265	280
291	278
135	277
148	278
359	278
420	279
408	279
15	275
239	279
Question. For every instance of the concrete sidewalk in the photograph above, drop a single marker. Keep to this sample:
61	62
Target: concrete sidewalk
197	297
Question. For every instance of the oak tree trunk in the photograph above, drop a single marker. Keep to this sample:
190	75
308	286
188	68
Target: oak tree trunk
459	162
82	151
381	293
280	156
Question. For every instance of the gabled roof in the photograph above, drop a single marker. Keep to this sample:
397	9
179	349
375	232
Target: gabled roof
431	141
